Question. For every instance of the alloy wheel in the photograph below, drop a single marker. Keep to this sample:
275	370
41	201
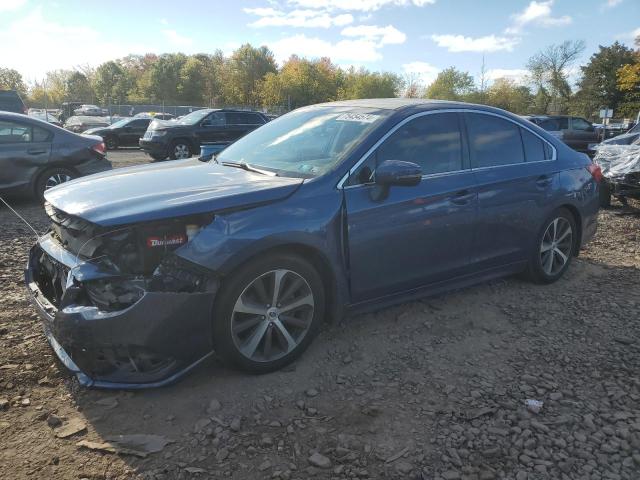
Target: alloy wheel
181	151
56	179
556	246
272	315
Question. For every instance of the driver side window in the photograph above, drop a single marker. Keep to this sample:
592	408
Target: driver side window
432	141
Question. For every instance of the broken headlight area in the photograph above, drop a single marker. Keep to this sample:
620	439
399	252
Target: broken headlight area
110	294
128	249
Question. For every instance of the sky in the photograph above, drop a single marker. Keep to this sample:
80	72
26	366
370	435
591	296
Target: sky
418	37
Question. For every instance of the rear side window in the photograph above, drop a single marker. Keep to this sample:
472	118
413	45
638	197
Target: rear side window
238	118
216	119
535	149
549	125
14	132
432	141
493	141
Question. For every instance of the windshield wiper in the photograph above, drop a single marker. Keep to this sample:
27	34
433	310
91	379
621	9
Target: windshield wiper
249	168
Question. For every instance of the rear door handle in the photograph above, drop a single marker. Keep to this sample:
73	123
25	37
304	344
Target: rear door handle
35	151
544	180
462	197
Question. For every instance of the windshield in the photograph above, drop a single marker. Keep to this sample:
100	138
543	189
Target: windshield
305	143
120	123
194	117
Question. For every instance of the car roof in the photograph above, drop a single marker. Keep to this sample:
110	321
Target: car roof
394	103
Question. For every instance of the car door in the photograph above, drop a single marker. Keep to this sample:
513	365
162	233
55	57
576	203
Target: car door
516	176
584	134
24	150
213	128
241	123
414	235
131	133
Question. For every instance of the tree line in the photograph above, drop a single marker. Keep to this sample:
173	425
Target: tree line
250	76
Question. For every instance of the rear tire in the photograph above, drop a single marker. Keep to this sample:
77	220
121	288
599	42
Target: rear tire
554	247
52	178
111	143
180	150
257	336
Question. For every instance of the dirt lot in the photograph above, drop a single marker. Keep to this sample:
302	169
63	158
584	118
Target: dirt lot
426	390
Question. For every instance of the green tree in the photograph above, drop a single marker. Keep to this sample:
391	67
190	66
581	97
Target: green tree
548	71
365	84
112	83
506	94
163	78
598	86
300	82
11	79
78	88
244	71
192	80
451	84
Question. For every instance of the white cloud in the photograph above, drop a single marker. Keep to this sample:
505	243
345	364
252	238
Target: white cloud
270	17
424	70
381	35
46	45
11	5
344	51
357	5
177	39
537	13
489	43
613	3
164	21
518	75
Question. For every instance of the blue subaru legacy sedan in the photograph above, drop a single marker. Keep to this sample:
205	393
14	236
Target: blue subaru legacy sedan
328	210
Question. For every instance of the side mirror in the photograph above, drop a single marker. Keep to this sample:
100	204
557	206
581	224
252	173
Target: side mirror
398	173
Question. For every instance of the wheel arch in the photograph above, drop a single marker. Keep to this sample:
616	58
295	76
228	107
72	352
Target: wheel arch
44	170
308	253
577	217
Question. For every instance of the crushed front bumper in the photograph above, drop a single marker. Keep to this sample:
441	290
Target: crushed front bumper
151	343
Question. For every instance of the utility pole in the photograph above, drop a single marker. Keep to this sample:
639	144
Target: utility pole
483	73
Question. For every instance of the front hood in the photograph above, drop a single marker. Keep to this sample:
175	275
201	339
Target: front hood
166	190
96	131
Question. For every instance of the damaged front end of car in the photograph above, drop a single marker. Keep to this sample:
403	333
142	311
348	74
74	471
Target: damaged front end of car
121	308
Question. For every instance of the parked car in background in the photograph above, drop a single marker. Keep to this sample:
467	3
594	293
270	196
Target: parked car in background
155	115
333	208
182	138
36	155
45	116
578	133
90	110
10	101
81	123
123	133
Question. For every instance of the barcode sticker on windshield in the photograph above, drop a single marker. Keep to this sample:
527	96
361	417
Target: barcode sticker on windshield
358	117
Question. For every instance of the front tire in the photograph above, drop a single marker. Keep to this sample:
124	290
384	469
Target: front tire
52	178
267	313
179	150
554	248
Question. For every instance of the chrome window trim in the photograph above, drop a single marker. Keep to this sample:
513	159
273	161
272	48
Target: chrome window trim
344	178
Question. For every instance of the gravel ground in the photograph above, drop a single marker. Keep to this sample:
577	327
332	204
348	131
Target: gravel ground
434	389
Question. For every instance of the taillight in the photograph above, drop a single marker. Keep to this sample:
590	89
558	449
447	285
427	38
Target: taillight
100	148
595	171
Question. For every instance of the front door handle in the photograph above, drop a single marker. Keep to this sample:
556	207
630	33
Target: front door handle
462	197
35	151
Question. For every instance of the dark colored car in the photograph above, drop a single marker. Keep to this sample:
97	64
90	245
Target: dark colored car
36	155
578	133
183	137
10	101
330	209
123	133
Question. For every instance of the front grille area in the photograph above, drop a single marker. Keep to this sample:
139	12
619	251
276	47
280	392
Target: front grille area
51	277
